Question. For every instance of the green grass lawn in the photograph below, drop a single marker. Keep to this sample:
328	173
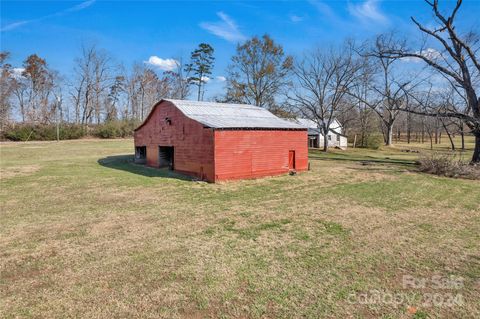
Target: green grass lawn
84	232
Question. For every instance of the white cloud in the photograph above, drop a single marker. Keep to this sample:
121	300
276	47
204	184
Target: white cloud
77	7
324	9
81	6
429	53
18	71
14	25
226	28
221	78
368	11
295	18
163	64
205	79
15	73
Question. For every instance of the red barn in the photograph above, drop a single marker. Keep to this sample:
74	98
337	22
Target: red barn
217	141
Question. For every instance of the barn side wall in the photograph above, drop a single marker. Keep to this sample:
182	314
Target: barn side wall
193	144
252	153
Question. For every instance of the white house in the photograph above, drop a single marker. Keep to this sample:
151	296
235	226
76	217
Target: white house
315	137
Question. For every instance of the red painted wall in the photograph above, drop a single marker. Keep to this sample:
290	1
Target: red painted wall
193	144
256	153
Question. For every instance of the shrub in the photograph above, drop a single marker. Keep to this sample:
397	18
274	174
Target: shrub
30	132
374	141
68	131
114	129
448	164
127	127
72	131
18	133
107	130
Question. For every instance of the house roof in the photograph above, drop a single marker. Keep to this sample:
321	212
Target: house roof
230	116
335	126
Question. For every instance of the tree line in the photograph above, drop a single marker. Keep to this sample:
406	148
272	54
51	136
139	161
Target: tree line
386	85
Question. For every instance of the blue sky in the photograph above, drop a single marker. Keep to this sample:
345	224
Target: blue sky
136	31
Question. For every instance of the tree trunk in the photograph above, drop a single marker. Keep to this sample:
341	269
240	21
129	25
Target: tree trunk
476	152
462	135
388	139
409	127
325	137
423	131
362	139
22	108
449	135
451	141
325	142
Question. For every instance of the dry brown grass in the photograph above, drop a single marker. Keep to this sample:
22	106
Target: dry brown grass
18	171
78	239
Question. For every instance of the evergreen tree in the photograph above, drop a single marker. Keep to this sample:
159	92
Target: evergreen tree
200	67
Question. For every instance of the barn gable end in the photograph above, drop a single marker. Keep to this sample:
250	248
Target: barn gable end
192	143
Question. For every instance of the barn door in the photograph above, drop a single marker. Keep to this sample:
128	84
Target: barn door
291	159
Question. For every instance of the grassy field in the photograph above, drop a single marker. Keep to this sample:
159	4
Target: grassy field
86	233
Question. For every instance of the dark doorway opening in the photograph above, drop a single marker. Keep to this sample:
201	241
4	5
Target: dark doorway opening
313	141
141	154
165	157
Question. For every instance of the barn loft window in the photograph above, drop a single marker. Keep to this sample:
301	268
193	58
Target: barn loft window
140	154
168	121
329	137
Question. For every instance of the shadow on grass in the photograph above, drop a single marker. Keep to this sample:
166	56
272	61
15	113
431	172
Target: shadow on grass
126	163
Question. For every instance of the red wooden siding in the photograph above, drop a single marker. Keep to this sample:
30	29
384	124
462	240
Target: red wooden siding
256	153
193	144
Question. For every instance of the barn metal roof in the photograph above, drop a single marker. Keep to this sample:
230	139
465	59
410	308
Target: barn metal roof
231	116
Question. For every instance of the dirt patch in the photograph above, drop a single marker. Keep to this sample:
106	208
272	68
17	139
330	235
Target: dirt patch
18	171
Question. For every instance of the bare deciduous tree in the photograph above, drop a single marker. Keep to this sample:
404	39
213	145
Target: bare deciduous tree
458	62
93	79
34	91
386	88
179	87
144	87
322	82
7	88
365	117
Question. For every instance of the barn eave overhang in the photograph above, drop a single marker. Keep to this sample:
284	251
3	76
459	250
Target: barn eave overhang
255	129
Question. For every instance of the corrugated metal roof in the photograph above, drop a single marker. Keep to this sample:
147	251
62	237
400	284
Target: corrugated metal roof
313	127
223	115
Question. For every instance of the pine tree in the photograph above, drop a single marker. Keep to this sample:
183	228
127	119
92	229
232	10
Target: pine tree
200	67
